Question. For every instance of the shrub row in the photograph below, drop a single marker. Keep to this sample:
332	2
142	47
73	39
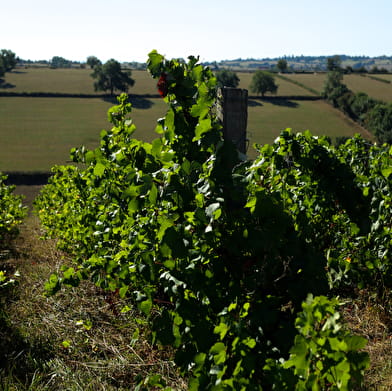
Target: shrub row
12	213
373	114
379	79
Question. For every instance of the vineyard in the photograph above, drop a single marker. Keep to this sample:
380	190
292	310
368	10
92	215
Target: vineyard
239	267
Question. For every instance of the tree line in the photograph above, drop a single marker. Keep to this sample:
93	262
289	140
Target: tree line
375	115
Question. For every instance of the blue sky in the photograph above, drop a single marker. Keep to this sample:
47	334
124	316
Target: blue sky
128	30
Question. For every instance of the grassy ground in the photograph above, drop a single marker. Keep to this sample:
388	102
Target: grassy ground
77	340
266	119
71	81
36	133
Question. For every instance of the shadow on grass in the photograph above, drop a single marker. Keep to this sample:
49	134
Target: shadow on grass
284	102
138	102
254	103
20	358
6	85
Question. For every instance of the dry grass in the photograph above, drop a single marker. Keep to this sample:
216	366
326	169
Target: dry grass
77	340
367	317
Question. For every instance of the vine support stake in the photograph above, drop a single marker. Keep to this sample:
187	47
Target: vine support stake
232	110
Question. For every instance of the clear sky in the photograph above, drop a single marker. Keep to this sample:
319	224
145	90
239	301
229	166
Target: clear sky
128	30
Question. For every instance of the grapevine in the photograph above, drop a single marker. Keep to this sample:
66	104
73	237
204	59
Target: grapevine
222	254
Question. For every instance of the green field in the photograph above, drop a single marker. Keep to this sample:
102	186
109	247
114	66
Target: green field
37	132
267	120
69	81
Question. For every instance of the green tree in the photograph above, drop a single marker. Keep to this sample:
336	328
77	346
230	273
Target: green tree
379	122
263	82
8	61
93	61
282	65
334	63
227	78
2	70
60	62
333	87
110	77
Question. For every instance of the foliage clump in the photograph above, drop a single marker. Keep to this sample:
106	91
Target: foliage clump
263	82
12	213
223	254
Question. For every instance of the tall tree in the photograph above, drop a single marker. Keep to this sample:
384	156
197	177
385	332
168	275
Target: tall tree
334	63
263	82
282	65
110	77
93	61
334	87
60	62
8	60
226	78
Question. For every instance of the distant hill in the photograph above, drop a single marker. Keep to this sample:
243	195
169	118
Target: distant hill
305	63
295	63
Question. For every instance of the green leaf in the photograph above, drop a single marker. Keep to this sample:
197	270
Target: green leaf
202	127
152	197
222	330
155	63
213	211
218	350
99	169
146	306
386	172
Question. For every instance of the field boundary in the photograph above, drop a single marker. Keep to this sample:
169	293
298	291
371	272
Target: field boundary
286	97
27	178
69	95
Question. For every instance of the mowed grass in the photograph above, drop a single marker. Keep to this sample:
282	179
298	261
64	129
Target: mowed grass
37	133
266	120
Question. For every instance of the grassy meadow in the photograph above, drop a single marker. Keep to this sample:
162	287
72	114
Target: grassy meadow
69	81
266	119
37	133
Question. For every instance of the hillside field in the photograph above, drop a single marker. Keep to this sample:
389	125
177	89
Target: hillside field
38	132
355	82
